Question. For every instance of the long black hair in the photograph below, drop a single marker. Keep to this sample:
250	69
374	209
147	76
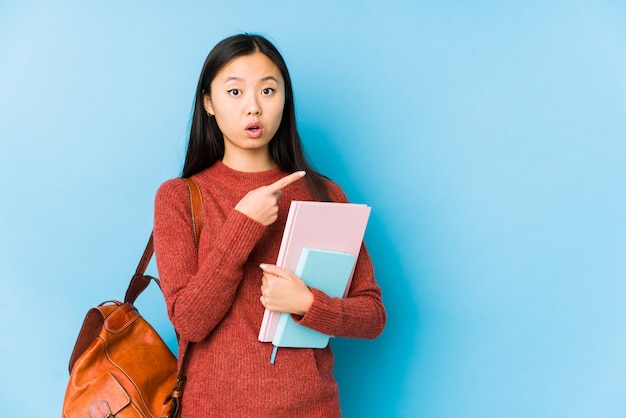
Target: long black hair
206	142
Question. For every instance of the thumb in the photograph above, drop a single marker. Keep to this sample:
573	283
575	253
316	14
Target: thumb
274	269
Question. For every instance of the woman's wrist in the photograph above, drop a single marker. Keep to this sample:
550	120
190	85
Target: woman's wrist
306	302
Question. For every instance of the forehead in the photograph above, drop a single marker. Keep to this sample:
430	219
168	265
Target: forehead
253	67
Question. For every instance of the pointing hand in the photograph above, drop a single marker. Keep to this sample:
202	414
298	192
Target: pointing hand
262	204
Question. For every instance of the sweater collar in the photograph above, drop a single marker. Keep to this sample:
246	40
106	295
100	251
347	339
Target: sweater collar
222	174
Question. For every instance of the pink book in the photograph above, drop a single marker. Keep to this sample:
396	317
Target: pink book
323	225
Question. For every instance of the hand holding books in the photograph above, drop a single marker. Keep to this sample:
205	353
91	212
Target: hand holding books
283	291
320	245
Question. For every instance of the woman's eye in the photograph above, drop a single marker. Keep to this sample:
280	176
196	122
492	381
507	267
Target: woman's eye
267	91
234	92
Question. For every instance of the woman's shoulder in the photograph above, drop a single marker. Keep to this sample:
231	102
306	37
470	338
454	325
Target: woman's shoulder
178	186
174	185
171	191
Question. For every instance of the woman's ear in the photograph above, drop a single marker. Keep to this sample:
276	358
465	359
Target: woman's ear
208	106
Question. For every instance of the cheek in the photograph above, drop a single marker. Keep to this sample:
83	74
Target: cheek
224	123
222	107
224	113
278	111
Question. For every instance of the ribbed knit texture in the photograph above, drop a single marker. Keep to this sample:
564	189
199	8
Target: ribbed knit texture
212	295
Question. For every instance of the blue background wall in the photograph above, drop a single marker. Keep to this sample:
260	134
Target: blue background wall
487	135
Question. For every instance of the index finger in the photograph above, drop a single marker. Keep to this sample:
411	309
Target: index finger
286	181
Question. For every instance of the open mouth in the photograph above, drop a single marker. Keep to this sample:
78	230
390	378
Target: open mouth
254	130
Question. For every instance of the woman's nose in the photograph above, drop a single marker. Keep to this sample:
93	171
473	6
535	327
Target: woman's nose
253	107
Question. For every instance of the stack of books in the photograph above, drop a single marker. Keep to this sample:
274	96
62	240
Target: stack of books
320	245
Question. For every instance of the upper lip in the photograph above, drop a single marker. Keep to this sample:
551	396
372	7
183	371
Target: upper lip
254	125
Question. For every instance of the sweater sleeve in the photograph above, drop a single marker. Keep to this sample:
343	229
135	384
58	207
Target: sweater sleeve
361	314
198	291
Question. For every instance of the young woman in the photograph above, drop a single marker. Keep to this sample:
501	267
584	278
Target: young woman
245	154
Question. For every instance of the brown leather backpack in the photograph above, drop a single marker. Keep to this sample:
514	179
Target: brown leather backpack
120	367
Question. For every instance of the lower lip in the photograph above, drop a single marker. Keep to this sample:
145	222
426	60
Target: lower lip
254	133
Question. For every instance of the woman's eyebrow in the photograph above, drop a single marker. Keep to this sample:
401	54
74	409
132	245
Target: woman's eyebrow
270	77
236	78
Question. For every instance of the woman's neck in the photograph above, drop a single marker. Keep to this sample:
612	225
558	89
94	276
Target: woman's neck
249	162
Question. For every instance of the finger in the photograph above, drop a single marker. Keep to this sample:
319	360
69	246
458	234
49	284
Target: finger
274	270
286	181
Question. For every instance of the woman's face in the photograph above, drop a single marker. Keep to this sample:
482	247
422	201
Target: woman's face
247	99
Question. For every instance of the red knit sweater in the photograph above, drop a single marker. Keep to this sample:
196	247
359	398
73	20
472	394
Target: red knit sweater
212	296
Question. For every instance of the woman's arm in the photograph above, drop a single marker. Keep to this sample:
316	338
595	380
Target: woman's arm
199	291
198	294
360	315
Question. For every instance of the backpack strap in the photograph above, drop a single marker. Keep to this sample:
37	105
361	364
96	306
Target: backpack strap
196	218
196	208
140	280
